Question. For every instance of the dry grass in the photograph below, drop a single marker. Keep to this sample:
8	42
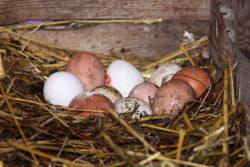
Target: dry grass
33	133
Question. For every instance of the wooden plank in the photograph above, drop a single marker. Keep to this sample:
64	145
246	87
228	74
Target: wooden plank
123	39
230	37
16	11
242	10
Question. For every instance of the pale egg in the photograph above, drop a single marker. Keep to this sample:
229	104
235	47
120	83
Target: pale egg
144	91
61	87
123	76
164	73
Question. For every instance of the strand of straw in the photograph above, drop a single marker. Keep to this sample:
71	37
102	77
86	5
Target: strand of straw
225	110
17	124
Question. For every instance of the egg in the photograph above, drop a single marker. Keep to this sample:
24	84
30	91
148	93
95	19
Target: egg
111	93
164	73
197	77
88	68
91	101
171	97
133	105
144	91
123	76
61	87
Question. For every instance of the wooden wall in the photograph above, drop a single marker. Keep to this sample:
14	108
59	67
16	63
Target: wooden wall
15	11
117	38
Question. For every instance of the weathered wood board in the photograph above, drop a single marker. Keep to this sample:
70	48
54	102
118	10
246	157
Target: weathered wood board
15	11
242	10
136	40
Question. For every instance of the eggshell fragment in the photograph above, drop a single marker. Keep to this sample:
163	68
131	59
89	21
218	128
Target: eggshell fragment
91	101
61	87
133	105
144	91
88	68
171	97
123	76
111	93
164	73
197	77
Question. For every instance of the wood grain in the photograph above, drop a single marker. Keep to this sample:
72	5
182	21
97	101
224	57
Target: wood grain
123	39
15	11
243	26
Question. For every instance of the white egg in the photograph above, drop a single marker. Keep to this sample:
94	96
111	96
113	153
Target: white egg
123	76
136	106
61	87
164	73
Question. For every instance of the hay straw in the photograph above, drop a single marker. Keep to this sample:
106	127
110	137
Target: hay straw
225	110
36	163
58	136
132	131
201	42
232	91
52	158
2	73
118	150
160	128
188	55
53	23
180	144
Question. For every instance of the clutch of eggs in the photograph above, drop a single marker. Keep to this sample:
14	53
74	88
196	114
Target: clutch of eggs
85	72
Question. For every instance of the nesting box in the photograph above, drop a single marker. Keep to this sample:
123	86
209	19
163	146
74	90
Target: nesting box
145	30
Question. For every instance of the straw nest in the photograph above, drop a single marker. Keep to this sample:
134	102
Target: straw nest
34	133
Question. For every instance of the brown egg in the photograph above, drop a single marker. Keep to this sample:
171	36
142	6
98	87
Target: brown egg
111	93
171	97
144	91
197	77
91	101
88	68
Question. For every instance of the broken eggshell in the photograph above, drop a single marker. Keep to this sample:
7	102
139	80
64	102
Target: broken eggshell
171	97
133	105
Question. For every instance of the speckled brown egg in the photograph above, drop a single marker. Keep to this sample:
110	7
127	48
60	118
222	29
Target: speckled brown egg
171	97
111	93
197	77
91	101
144	91
135	106
88	68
